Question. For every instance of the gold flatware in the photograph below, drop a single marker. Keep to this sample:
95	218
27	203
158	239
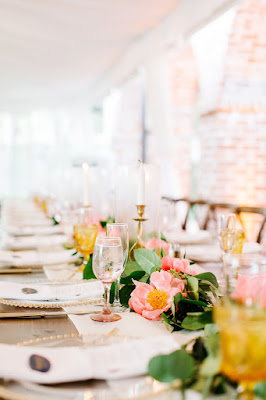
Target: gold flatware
15	271
43	314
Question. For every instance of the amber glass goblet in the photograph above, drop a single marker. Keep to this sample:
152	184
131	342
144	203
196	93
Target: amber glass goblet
85	232
241	318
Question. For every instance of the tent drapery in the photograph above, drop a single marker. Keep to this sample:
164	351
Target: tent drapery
54	51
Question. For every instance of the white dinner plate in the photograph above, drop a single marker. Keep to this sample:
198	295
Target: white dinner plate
183	237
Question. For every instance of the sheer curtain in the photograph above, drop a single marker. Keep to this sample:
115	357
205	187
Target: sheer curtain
36	146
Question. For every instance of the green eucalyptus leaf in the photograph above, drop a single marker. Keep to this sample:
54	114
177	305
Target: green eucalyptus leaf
112	293
145	279
196	321
68	245
208	276
210	366
212	340
166	320
55	222
131	267
260	390
192	323
88	271
204	296
136	275
186	305
147	259
193	287
176	326
173	306
177	365
178	297
110	220
199	351
124	294
163	237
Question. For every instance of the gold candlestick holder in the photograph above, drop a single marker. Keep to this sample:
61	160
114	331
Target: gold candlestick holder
140	220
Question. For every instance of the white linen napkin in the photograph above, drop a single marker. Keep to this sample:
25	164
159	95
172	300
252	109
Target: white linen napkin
69	364
33	230
29	242
27	221
68	290
212	253
31	258
184	237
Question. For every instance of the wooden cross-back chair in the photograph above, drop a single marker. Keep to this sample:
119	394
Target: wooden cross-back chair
252	219
214	210
177	210
186	209
199	211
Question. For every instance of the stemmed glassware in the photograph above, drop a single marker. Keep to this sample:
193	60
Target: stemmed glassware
226	234
119	230
107	264
85	232
241	318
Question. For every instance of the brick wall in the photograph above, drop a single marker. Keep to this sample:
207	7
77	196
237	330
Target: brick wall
233	137
183	77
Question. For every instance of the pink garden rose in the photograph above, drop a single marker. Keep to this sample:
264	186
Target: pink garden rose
151	300
250	287
155	243
177	264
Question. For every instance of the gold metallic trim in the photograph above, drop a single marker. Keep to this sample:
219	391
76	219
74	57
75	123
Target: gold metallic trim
46	304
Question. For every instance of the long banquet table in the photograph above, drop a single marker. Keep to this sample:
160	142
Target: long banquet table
18	331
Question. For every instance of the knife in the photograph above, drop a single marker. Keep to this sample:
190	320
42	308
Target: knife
15	271
43	314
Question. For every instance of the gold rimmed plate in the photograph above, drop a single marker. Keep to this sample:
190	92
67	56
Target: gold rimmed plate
50	304
64	294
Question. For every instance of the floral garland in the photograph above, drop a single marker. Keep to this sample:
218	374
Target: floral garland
169	289
166	289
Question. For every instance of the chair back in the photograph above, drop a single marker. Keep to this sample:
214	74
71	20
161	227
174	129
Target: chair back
253	221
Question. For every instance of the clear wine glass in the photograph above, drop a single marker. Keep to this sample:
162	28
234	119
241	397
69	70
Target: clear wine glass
119	230
241	317
107	264
226	234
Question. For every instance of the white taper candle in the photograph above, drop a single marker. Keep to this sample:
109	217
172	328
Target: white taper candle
86	197
141	185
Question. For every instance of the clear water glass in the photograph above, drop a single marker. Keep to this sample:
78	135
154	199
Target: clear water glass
226	235
108	265
119	230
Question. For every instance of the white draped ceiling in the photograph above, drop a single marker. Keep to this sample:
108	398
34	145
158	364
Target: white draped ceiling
60	58
54	50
